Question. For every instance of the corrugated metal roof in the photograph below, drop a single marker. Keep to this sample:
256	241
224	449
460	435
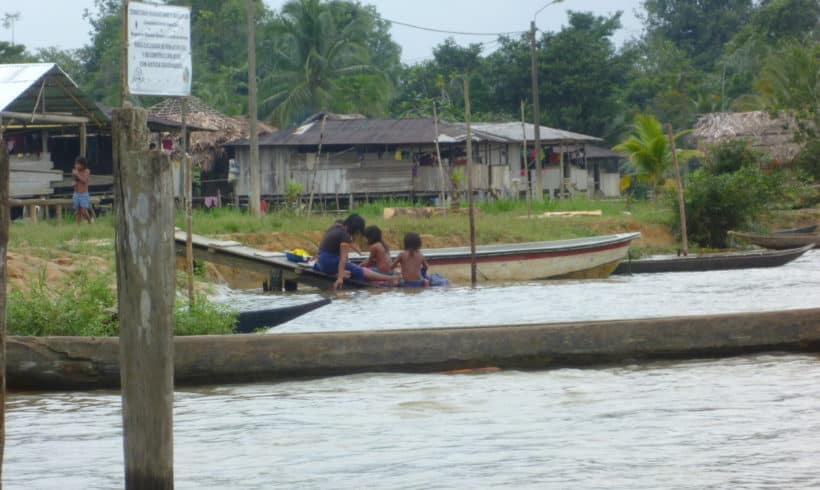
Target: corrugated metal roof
512	131
20	86
369	132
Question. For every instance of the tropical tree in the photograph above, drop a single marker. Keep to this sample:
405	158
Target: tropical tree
648	149
321	51
790	82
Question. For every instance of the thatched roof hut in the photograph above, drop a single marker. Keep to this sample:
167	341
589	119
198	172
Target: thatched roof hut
206	147
772	135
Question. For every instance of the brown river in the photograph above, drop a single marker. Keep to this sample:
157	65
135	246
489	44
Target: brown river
746	422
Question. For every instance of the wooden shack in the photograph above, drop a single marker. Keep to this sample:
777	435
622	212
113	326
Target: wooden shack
391	157
773	136
37	102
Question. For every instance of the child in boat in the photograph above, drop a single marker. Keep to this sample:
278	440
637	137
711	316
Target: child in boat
333	251
411	261
379	259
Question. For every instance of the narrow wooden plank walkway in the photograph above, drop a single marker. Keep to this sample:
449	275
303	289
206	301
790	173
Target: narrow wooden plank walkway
273	265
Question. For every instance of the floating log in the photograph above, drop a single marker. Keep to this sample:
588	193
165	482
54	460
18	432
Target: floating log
40	363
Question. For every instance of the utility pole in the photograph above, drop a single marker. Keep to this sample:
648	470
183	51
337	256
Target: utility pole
255	194
536	107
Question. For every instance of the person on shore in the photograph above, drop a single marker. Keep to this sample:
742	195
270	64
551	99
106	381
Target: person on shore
411	261
379	259
333	250
80	199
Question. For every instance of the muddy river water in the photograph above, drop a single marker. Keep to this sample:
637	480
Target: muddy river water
746	422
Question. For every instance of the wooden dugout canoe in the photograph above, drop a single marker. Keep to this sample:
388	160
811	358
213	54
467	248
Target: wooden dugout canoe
779	241
59	363
250	321
712	262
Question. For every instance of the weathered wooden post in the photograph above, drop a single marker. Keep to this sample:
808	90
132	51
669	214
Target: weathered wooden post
442	190
4	240
681	203
473	268
143	199
255	194
526	162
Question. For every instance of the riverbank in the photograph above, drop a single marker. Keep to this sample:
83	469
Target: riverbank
54	253
60	250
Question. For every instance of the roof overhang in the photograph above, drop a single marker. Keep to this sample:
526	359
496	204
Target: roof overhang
42	93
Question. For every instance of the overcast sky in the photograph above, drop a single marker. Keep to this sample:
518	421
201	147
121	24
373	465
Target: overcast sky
60	22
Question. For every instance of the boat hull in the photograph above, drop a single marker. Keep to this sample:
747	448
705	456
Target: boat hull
591	258
779	242
712	262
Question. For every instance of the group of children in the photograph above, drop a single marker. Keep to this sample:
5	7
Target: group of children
335	246
410	260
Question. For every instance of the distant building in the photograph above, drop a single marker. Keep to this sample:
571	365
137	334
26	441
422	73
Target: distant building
771	135
397	157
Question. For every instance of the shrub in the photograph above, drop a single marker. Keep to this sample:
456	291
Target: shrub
731	155
81	305
808	161
84	305
205	318
716	204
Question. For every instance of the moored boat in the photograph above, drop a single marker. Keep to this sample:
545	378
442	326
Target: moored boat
778	241
712	262
793	231
250	321
577	258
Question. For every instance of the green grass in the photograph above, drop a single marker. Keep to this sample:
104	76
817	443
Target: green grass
83	305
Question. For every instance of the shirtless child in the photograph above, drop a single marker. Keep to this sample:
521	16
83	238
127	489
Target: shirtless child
81	199
379	259
411	261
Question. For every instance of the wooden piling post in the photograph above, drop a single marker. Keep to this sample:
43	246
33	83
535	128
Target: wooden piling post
5	215
83	140
473	267
681	204
187	167
440	165
144	236
255	194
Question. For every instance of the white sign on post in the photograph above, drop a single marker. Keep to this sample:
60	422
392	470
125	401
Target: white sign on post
159	49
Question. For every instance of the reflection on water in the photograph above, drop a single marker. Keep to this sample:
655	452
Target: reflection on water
750	422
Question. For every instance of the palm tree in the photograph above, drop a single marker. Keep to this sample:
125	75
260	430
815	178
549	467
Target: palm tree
315	53
648	149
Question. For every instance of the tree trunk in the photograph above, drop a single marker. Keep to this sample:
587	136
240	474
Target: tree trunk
144	237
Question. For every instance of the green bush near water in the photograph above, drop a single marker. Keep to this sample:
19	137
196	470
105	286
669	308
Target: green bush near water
84	306
728	193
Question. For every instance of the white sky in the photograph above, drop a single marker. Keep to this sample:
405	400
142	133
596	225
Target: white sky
60	22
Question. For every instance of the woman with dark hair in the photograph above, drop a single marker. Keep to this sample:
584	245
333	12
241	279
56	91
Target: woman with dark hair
333	250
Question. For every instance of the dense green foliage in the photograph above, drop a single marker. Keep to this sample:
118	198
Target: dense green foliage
728	193
338	55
